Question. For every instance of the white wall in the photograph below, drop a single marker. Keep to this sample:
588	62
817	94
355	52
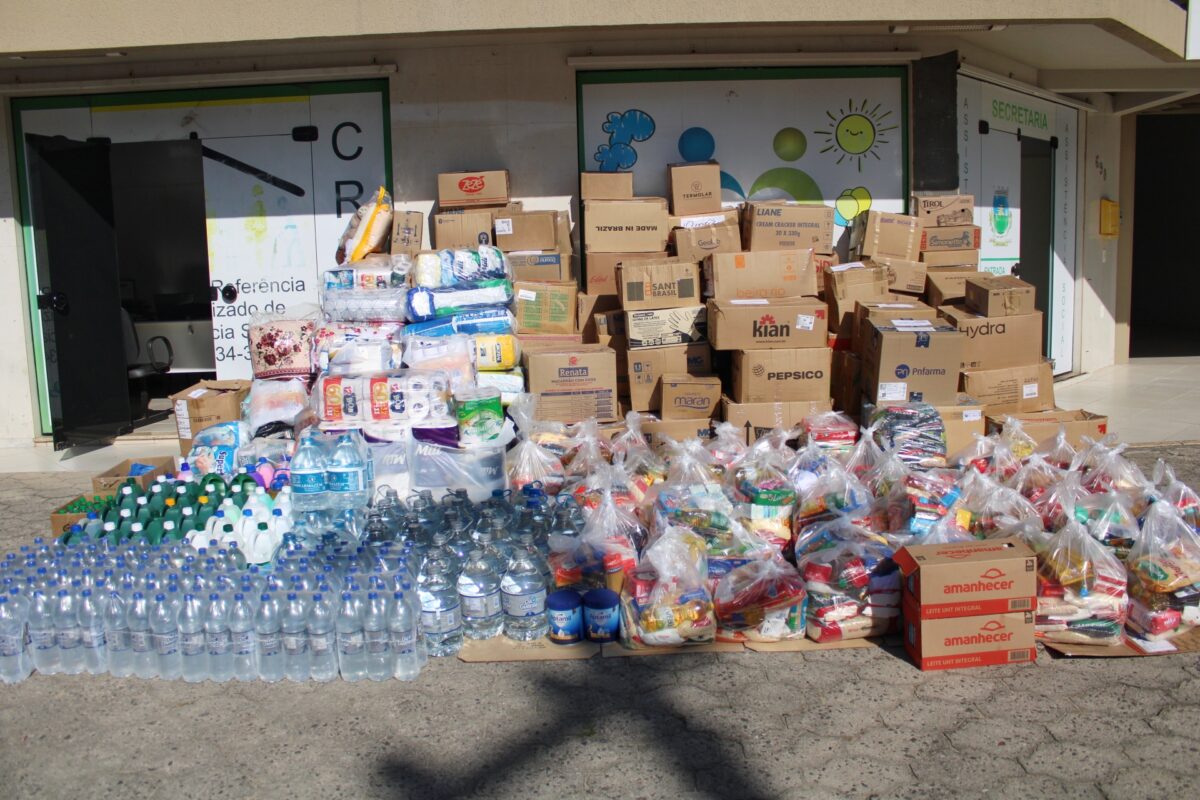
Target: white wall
1097	315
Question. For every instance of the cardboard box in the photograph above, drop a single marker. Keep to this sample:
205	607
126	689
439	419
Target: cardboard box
943	210
995	342
763	274
690	396
563	238
460	189
648	365
658	431
544	307
882	233
767	324
609	323
999	295
466	229
883	312
588	306
907	277
963	421
602	268
658	284
696	244
542	266
1043	425
61	521
726	216
605	185
528	230
846	387
768	376
911	363
788	226
961	642
207	403
107	482
1011	390
664	327
625	226
822	262
856	280
951	258
574	383
408	232
965	579
759	419
547	341
695	187
944	288
957	237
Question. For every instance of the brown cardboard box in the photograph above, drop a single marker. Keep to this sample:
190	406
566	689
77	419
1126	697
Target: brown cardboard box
767	376
762	274
846	387
602	268
951	258
658	431
822	262
457	229
542	266
528	230
767	324
869	311
882	233
588	306
658	284
690	396
548	341
573	383
944	288
625	226
963	420
726	216
647	365
107	482
906	277
207	403
846	284
605	185
664	327
61	520
695	244
609	323
759	419
942	210
788	226
408	232
695	187
1043	425
995	342
958	237
544	307
1012	389
965	579
459	189
999	295
917	363
976	641
563	236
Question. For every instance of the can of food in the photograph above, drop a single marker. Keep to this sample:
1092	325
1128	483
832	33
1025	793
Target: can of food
601	615
566	619
480	415
641	584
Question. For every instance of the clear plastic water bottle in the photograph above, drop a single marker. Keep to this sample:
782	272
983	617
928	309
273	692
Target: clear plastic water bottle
15	665
414	602
294	625
346	475
441	611
244	639
141	639
352	656
523	591
308	476
402	630
321	622
164	625
193	645
43	637
479	593
218	640
67	634
91	632
267	634
376	637
116	634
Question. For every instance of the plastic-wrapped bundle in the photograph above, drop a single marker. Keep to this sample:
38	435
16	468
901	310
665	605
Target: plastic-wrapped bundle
274	405
727	444
364	278
1164	571
853	590
529	463
424	304
1109	520
356	349
914	430
368	230
453	355
417	397
667	601
221	448
510	383
1177	493
356	305
490	320
1081	590
832	431
762	600
764	494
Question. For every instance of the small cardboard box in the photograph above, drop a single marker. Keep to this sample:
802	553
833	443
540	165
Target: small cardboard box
881	233
658	284
602	268
906	277
999	295
713	219
667	326
588	307
658	431
951	258
207	403
759	419
542	266
768	376
945	288
408	232
625	226
788	226
869	311
944	210
605	185
1011	390
609	323
962	420
856	280
957	237
573	383
544	307
966	579
690	396
695	187
466	229
1043	425
460	189
767	324
996	342
696	244
911	363
107	482
763	274
648	365
961	642
846	387
525	231
61	521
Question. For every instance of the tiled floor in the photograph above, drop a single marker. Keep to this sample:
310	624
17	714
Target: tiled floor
1146	400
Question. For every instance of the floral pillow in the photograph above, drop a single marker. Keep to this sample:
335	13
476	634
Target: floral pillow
281	349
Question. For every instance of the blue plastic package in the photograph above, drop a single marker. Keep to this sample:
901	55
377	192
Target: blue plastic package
491	320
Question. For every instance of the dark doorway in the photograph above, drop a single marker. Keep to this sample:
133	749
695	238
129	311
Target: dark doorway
1037	195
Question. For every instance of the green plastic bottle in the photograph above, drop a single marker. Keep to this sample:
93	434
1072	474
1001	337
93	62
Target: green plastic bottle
125	525
158	500
127	498
215	487
142	512
205	509
238	495
137	532
154	531
173	512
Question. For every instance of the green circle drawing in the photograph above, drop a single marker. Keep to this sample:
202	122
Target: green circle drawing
789	144
855	134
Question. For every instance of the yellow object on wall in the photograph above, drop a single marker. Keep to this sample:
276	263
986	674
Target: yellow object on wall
1110	218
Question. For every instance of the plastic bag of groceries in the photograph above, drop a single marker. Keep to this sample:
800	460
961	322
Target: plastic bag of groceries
923	498
587	452
531	463
1056	505
915	430
689	462
1164	571
830	532
1057	450
837	493
1013	434
632	451
763	600
666	601
853	590
832	431
865	454
1110	521
1036	477
1177	493
604	551
706	510
368	230
983	502
762	492
1082	594
1110	471
727	444
888	472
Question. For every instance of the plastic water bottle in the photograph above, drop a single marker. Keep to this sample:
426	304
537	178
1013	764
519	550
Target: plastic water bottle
243	638
345	475
352	655
479	593
193	647
402	630
43	637
441	612
116	635
414	602
376	637
308	476
91	632
267	633
294	625
523	594
321	645
15	665
217	639
66	631
164	625
141	639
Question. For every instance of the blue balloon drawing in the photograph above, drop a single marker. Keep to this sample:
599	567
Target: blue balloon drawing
623	129
698	144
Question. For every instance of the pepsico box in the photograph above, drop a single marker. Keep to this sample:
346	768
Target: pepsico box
977	641
966	579
484	188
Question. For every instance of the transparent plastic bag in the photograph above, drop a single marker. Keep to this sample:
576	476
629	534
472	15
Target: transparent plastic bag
1110	521
452	355
1112	472
355	349
529	463
274	405
727	444
865	454
588	452
417	397
1057	450
887	473
834	493
1177	493
689	462
984	502
669	603
632	451
1035	477
914	430
763	494
924	498
853	590
1164	568
426	304
1082	594
762	600
365	305
832	431
368	230
1019	442
606	549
